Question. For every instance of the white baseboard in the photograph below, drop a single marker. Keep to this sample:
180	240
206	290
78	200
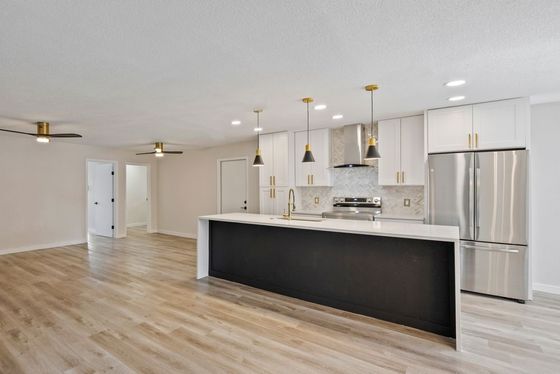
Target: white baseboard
136	224
546	288
177	233
41	246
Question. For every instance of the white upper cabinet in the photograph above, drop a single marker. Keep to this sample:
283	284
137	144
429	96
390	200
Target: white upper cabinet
389	137
401	146
275	152
316	173
494	125
412	151
450	129
501	124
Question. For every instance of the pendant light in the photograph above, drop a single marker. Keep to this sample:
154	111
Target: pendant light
372	153
258	158
308	156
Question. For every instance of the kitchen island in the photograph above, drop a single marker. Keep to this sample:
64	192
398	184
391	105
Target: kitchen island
398	272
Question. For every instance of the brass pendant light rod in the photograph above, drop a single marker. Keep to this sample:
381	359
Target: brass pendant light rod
372	152
258	158
308	155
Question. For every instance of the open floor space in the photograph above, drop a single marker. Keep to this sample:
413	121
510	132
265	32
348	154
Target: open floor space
133	305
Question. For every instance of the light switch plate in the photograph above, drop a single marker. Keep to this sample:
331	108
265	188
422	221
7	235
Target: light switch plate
316	199
407	202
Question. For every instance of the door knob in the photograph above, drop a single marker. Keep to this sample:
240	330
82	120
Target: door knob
96	203
244	207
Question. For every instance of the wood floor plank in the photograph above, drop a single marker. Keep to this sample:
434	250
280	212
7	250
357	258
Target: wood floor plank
133	305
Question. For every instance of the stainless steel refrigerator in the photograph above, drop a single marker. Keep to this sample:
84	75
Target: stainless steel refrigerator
485	194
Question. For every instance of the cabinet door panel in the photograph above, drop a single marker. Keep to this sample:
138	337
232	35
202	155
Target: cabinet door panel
266	201
389	149
412	151
449	129
321	146
281	159
501	124
267	151
280	200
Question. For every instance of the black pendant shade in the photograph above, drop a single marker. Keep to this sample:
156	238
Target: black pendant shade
308	155
372	152
258	158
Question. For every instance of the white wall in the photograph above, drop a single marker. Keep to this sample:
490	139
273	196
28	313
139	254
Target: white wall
136	195
188	186
43	191
545	196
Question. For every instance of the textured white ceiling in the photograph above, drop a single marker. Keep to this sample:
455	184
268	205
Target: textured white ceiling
126	73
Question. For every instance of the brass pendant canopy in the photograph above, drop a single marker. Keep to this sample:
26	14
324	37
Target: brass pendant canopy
372	153
258	158
308	155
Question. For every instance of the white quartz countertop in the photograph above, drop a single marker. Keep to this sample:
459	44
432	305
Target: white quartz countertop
400	217
394	229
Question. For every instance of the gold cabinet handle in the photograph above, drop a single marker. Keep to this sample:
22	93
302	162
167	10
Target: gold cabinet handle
274	180
312	180
470	141
274	193
270	180
402	176
270	193
476	140
308	179
398	177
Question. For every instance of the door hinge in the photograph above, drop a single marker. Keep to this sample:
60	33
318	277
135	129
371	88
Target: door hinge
112	227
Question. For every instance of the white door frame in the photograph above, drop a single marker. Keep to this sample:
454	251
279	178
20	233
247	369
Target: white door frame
149	226
115	193
219	179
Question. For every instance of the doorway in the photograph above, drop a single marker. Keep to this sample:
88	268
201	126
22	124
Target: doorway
101	198
232	185
137	197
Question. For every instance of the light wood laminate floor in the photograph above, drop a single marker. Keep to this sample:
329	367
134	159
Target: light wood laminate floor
133	305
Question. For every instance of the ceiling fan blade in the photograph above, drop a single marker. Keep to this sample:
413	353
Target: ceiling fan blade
173	152
146	153
20	132
64	135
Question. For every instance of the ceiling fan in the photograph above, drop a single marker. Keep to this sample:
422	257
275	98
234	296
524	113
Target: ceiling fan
159	152
43	135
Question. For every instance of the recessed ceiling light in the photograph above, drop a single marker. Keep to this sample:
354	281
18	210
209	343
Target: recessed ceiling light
320	106
337	116
257	129
456	98
236	122
457	83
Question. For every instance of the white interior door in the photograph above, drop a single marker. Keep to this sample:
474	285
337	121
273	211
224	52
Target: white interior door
103	198
233	186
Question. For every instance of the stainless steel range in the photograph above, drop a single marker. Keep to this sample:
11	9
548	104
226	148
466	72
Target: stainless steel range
358	208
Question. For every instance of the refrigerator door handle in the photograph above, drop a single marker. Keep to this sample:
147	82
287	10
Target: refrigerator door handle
503	250
477	212
471	202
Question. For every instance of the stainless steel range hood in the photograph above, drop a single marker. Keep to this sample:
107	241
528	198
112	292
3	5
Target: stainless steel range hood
353	147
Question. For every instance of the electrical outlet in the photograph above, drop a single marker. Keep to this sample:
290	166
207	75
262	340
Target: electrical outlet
316	199
407	202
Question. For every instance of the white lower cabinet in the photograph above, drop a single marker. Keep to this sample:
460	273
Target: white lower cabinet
401	146
273	200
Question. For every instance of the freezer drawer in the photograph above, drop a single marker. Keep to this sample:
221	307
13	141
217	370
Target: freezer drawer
495	269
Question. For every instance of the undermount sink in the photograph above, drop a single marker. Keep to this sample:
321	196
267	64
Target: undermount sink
299	218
